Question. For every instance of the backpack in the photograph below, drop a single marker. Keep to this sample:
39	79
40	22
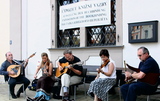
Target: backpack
33	85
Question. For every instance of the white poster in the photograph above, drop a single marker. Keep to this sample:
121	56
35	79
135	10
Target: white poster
85	13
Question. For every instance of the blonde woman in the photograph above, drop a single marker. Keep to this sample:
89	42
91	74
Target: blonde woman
46	81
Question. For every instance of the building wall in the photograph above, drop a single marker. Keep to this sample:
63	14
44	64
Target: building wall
139	11
84	52
28	25
34	30
10	28
38	31
4	28
16	29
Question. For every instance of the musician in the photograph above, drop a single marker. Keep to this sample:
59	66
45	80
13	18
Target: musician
12	81
130	91
106	78
46	81
74	74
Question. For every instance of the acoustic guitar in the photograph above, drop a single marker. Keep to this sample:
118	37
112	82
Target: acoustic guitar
150	78
65	68
17	68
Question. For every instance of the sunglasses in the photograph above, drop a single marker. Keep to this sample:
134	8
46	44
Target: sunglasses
140	55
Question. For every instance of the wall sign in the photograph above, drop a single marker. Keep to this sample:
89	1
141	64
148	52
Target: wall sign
85	13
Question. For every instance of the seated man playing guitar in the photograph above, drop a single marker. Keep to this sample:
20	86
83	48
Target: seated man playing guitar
10	75
147	66
72	75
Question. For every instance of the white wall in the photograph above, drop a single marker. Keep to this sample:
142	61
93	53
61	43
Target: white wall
139	11
15	28
38	31
4	28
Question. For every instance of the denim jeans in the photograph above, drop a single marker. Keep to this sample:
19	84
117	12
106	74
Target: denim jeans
132	90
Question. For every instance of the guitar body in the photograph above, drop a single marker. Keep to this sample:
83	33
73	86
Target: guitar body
65	69
16	69
150	78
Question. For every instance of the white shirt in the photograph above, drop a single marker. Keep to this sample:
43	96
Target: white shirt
105	69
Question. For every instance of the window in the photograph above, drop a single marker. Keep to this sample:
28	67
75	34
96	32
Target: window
103	35
96	35
69	37
100	36
139	32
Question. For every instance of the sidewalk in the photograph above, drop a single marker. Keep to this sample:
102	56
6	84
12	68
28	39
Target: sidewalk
4	94
80	94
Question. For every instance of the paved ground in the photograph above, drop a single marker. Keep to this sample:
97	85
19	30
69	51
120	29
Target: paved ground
4	94
80	94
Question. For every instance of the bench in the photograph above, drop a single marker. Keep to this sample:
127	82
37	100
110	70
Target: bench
91	72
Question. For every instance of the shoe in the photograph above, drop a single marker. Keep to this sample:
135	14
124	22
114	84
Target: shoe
66	98
29	99
66	94
18	94
14	96
92	94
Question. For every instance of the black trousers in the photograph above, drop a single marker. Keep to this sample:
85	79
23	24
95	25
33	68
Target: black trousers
20	79
46	83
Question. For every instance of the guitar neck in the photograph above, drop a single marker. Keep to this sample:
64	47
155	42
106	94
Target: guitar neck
18	62
125	69
77	63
